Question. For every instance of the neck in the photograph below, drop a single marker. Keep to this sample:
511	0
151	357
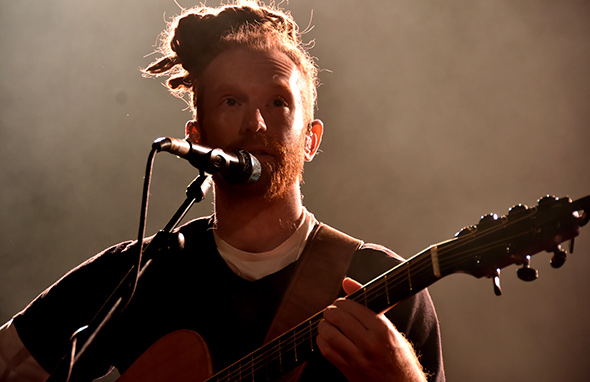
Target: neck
256	224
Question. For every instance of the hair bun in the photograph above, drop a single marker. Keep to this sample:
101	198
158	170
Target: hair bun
197	36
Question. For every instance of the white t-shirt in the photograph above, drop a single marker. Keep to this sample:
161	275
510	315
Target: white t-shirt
256	265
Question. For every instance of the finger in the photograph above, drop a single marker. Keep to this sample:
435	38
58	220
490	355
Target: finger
357	322
350	285
361	335
334	345
341	316
360	312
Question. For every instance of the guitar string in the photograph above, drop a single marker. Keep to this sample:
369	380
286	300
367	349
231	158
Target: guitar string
422	264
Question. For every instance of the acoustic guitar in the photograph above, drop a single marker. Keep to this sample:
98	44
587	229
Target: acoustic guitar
480	250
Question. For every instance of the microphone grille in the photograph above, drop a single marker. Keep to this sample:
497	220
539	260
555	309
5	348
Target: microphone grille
256	169
248	171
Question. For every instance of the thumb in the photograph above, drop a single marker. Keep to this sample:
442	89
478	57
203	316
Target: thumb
350	286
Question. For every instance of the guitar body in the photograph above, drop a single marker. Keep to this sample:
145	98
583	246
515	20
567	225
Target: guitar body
179	356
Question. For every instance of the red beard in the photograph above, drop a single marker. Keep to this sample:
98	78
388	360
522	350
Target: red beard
281	167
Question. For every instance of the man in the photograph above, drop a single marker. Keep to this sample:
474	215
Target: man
252	86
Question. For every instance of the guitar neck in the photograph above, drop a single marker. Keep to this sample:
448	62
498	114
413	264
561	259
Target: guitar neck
297	345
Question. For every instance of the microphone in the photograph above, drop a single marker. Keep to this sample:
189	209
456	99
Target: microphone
235	168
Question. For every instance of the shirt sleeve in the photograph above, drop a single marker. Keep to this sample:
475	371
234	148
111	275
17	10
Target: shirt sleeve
46	325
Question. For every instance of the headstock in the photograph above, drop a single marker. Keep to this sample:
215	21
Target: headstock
497	242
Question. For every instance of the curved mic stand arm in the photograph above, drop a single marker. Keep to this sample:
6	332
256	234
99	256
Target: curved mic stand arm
195	193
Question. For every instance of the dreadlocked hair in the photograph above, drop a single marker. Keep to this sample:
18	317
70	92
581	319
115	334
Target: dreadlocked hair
194	38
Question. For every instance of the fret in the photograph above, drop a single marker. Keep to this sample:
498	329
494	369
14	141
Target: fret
365	296
311	336
295	346
229	372
434	260
280	356
409	274
386	289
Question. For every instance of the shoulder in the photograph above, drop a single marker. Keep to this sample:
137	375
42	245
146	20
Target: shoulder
47	323
371	260
202	224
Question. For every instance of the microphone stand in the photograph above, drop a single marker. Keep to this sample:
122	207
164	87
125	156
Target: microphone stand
195	193
165	240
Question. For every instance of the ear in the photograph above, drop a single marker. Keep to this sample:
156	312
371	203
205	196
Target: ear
313	139
192	131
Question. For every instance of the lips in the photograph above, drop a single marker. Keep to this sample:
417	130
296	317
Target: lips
262	147
260	151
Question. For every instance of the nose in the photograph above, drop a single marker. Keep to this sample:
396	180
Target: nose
254	122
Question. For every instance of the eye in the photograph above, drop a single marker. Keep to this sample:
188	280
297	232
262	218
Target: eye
279	102
230	102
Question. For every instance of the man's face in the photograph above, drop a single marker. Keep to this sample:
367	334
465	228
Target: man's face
252	100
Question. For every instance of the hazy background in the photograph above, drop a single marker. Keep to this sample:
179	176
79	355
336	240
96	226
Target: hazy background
436	112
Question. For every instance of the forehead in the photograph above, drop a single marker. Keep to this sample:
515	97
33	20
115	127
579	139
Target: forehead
242	67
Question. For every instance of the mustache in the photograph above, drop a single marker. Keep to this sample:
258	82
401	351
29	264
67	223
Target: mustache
260	142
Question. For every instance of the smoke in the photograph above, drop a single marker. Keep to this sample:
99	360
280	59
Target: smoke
435	112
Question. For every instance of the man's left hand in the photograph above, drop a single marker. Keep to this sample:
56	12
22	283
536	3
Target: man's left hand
363	345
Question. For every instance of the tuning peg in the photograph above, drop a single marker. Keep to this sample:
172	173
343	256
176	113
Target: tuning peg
559	256
496	279
488	221
465	231
527	273
515	209
547	201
